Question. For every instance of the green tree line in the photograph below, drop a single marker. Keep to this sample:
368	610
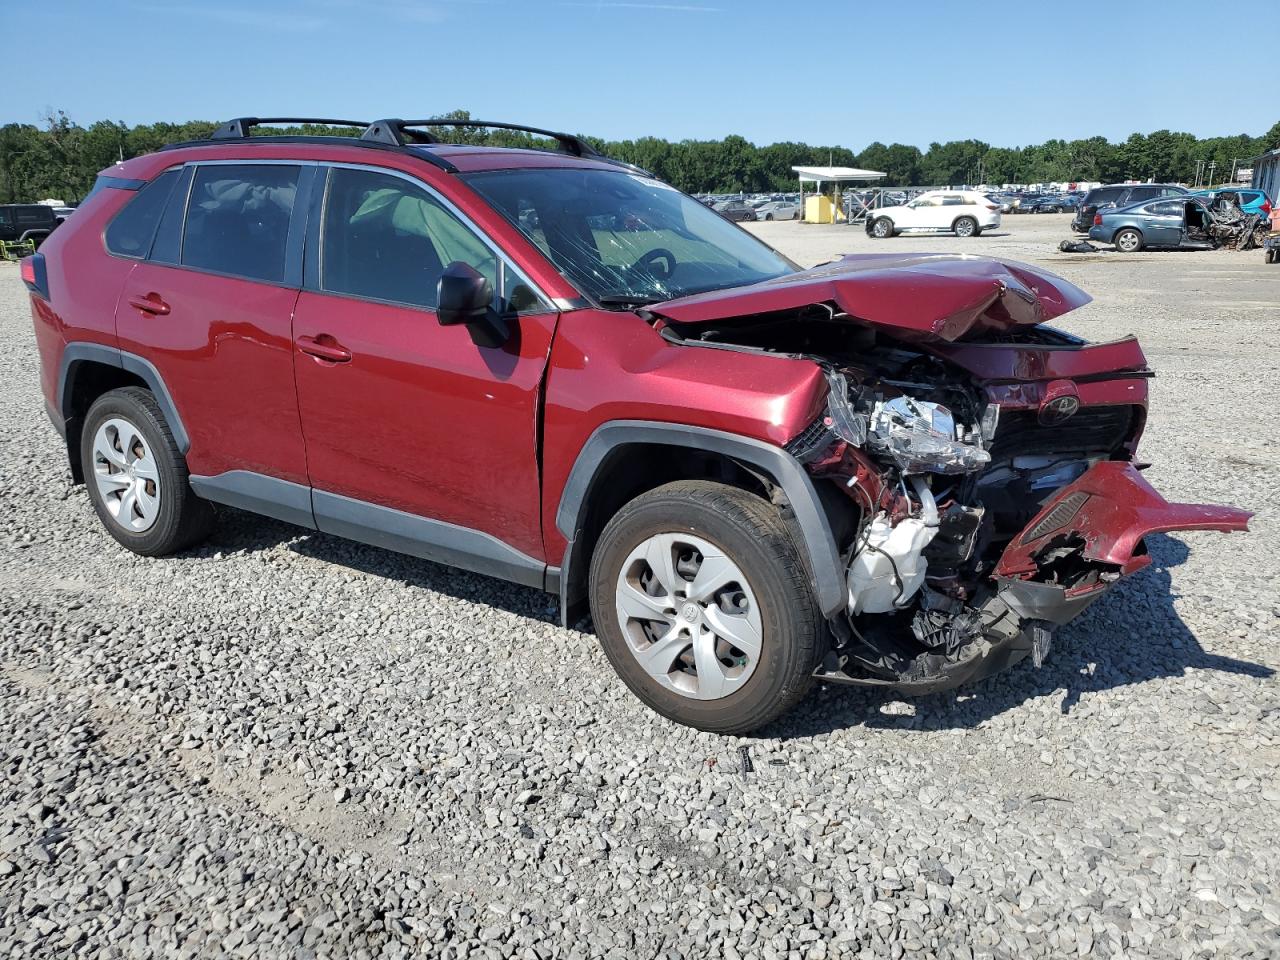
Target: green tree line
59	158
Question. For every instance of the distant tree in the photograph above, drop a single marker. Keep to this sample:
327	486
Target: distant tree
61	159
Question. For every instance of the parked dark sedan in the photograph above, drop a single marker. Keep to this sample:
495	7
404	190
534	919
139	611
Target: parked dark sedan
735	210
1178	223
1119	195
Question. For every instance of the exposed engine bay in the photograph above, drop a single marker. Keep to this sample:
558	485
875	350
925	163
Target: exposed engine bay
963	503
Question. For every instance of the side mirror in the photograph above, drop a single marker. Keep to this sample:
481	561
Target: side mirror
465	296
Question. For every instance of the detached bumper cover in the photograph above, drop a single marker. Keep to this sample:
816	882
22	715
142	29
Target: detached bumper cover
1111	508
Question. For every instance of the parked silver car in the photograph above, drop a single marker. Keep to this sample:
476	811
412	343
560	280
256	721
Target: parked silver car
778	210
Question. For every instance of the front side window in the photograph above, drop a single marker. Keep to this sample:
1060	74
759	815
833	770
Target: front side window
238	219
131	231
624	239
387	238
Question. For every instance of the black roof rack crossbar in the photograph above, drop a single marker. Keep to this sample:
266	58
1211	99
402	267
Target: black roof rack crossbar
238	129
400	133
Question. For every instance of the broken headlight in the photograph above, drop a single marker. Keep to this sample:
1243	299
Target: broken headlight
921	437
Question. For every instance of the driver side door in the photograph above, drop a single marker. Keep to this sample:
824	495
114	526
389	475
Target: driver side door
417	438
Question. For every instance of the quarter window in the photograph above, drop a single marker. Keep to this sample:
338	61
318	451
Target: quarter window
131	232
238	219
387	238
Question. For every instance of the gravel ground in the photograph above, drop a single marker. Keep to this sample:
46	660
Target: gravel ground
284	745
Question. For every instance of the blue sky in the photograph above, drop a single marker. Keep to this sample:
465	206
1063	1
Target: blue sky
1015	73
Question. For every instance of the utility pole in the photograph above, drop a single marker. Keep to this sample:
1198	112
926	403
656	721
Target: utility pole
1213	165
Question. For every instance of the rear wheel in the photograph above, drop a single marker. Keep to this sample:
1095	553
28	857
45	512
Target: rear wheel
965	227
768	216
1128	241
137	477
881	228
703	606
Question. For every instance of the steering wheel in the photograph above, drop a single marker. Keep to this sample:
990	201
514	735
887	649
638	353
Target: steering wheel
649	264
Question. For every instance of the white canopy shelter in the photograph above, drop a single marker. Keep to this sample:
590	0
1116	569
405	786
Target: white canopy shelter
833	176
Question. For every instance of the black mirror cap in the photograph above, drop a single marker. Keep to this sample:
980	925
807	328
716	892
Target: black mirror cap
464	295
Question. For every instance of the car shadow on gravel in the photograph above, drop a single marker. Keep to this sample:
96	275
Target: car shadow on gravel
241	531
1131	636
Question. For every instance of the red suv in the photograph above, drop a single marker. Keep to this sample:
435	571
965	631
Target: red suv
550	367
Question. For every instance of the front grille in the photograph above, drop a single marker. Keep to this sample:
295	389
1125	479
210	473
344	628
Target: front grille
1091	430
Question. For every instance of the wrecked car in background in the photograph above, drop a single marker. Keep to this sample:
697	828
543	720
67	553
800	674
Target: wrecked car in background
550	367
1182	223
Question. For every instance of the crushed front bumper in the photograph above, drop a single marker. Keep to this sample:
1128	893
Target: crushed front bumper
1087	537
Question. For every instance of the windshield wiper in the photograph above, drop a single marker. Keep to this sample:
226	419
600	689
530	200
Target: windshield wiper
628	300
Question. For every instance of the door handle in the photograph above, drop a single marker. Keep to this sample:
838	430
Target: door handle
151	303
324	347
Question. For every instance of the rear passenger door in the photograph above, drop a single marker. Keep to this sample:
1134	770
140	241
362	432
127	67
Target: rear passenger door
210	305
417	438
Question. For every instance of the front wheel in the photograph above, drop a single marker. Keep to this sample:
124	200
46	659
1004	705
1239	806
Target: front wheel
1128	241
881	228
966	227
703	606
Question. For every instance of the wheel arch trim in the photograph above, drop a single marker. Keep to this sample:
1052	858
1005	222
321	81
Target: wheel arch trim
78	352
817	543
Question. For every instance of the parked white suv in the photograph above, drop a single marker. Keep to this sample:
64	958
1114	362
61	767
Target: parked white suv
966	213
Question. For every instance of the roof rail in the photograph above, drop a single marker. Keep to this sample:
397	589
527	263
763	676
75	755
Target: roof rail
401	133
239	128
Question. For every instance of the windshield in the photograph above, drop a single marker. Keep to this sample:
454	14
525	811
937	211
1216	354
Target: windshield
622	238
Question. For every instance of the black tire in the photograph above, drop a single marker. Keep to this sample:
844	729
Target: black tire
1128	240
752	535
768	216
965	227
183	519
882	227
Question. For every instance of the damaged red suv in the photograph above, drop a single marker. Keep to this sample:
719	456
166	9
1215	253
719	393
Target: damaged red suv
547	366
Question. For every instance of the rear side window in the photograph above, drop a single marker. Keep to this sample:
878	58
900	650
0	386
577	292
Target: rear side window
131	232
1143	193
238	219
1166	208
1104	195
35	216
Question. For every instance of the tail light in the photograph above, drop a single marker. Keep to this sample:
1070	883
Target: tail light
991	206
1266	207
34	275
1097	219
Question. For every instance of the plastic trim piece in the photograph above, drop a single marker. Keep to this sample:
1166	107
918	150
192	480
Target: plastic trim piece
419	536
269	496
818	543
78	352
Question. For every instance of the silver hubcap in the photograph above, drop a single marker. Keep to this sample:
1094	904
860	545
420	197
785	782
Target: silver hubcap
126	473
964	228
882	229
1127	241
690	618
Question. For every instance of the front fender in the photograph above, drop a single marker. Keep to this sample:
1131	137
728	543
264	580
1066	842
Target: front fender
818	544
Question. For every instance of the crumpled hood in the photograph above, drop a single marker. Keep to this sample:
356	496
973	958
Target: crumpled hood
919	297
